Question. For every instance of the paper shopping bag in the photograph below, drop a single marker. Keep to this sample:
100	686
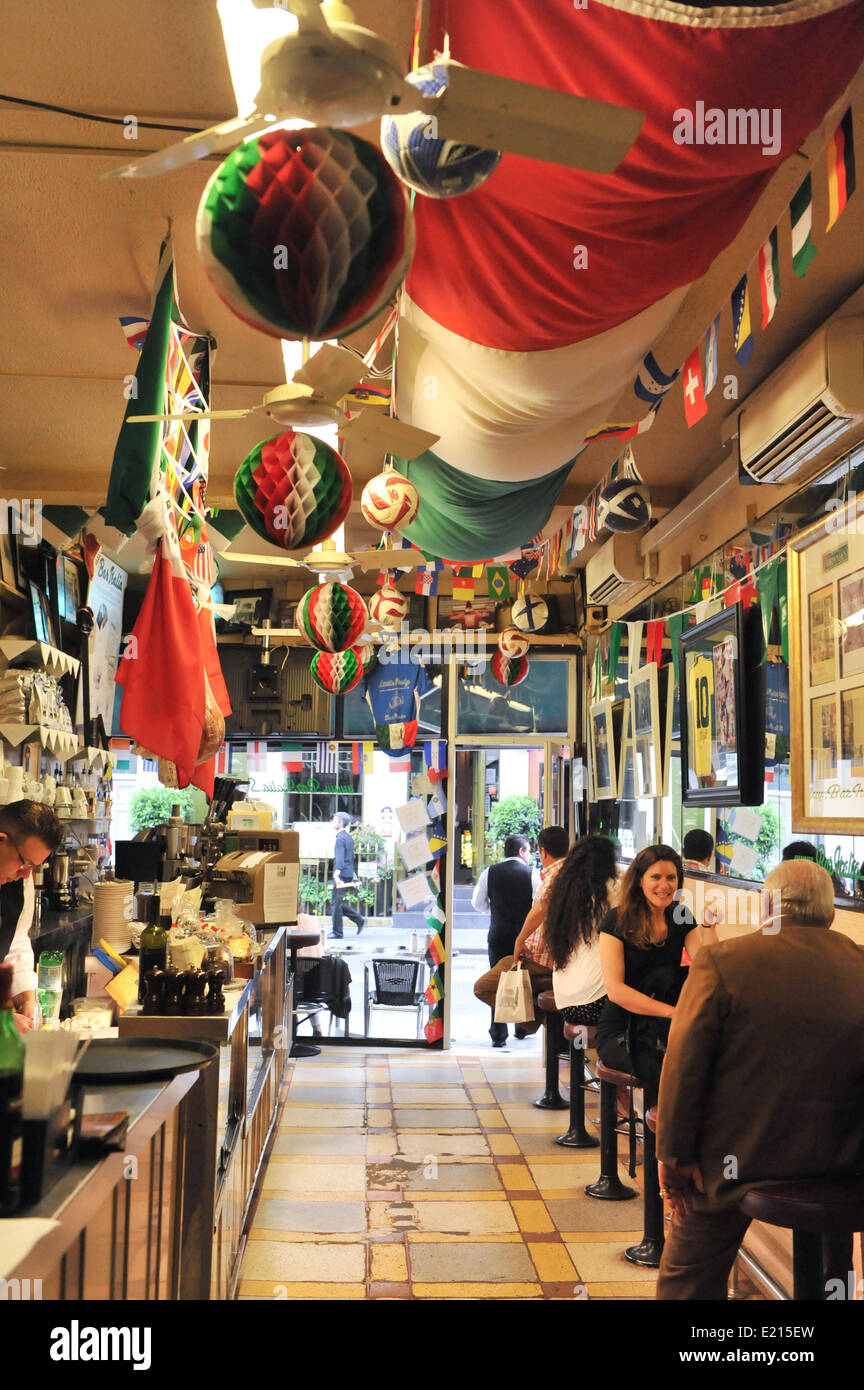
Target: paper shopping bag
514	1002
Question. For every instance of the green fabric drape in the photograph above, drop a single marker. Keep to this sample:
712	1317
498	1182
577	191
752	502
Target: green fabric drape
466	518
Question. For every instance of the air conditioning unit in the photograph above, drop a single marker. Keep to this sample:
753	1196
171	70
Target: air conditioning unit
810	410
616	571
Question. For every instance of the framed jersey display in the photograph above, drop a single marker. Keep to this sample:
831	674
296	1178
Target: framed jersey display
826	672
722	712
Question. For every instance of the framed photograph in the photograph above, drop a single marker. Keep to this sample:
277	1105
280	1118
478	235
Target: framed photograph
251	607
42	622
826	697
722	710
68	589
645	733
603	761
625	752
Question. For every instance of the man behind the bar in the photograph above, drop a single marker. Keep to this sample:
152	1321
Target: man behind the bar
763	1078
28	834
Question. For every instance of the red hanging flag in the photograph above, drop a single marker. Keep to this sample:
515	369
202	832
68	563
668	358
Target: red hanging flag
694	391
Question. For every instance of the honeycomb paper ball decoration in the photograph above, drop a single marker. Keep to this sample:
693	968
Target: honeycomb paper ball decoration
512	642
509	670
624	505
438	168
293	489
388	607
305	233
389	500
331	616
368	656
337	672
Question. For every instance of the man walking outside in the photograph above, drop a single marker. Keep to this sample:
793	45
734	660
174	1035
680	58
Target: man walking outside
504	890
343	875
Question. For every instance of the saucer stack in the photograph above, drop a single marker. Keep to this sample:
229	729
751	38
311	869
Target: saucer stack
112	913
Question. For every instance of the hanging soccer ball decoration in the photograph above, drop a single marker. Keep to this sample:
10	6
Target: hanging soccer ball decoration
624	505
512	643
293	489
389	500
509	670
529	613
438	168
388	607
305	233
337	672
331	616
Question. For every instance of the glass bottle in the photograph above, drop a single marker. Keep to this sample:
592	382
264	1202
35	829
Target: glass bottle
154	945
11	1083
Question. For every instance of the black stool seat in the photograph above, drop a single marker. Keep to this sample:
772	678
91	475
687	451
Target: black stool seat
578	1036
551	1098
810	1204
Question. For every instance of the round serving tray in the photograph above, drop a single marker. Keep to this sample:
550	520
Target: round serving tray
122	1061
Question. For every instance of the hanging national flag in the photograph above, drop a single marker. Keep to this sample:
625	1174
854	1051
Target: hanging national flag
841	169
628	430
434	991
437	839
434	1029
801	217
427	579
498	582
528	561
707	587
256	756
400	764
435	754
292	757
356	755
769	277
652	382
694	395
135	330
463	584
742	334
435	953
711	355
327	758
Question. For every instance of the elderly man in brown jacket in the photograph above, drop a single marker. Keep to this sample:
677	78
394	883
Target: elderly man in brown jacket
763	1078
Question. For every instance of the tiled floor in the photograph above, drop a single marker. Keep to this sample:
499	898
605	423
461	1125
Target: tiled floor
408	1175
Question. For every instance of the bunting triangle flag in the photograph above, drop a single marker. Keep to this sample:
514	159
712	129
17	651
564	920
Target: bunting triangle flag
694	394
841	169
292	757
801	218
769	277
434	1029
712	338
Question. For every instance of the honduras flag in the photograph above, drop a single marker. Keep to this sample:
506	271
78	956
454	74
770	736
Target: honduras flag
652	382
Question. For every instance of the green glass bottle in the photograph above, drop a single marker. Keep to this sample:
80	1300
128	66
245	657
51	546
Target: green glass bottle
154	946
11	1083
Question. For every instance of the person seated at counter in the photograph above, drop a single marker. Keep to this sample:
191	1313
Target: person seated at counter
697	852
584	890
802	849
29	833
763	1078
642	942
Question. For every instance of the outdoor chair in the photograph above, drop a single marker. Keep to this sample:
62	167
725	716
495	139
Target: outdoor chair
393	983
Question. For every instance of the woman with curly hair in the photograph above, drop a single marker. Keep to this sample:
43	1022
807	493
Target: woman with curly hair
579	900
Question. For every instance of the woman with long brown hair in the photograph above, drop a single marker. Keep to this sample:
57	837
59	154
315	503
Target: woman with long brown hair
642	942
580	898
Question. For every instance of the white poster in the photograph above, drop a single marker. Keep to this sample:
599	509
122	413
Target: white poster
105	601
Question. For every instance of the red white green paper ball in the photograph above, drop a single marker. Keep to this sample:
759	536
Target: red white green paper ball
389	500
305	233
512	642
509	670
368	656
293	489
388	607
337	672
331	616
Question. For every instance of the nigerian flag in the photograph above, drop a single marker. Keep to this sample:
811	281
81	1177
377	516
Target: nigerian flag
138	451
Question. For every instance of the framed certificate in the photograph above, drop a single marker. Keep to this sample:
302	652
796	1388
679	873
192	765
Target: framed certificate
826	672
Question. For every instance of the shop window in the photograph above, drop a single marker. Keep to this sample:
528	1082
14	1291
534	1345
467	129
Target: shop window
537	705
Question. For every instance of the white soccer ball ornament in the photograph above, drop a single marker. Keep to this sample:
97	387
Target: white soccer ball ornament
389	501
624	505
388	607
529	613
512	643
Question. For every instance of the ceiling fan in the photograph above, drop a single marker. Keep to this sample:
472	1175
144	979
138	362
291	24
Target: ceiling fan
310	400
332	72
327	560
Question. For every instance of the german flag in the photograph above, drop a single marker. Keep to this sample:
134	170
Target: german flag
436	955
841	169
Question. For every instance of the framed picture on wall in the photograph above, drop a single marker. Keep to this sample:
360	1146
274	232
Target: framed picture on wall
722	710
603	761
625	753
645	732
826	672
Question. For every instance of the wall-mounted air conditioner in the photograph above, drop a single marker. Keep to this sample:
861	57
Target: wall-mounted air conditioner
810	410
616	571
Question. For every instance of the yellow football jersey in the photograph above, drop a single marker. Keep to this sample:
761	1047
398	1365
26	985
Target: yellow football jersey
700	699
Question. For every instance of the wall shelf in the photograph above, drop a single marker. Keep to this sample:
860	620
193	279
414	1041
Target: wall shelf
59	743
55	662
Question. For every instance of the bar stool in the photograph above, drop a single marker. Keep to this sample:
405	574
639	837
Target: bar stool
650	1248
609	1187
810	1208
580	1036
551	1098
298	937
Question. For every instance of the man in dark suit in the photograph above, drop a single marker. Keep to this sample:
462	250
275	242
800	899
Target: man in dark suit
763	1078
505	890
343	875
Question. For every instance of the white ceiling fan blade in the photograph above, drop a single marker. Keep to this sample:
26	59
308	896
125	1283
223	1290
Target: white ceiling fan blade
219	137
280	560
331	371
195	415
374	430
308	13
389	559
498	113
